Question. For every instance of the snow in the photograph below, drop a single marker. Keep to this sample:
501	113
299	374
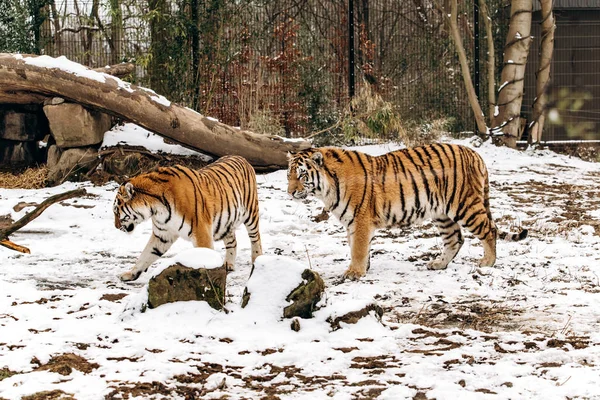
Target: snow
193	258
134	135
273	278
526	328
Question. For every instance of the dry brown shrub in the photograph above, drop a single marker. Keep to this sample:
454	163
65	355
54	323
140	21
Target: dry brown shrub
31	178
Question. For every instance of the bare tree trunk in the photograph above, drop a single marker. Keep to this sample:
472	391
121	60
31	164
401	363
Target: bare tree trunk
464	66
157	69
57	31
510	94
491	59
18	76
543	72
116	32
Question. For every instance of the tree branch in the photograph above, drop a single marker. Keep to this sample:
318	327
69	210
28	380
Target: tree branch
30	216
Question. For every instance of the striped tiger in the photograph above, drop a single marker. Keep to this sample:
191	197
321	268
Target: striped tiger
444	182
200	206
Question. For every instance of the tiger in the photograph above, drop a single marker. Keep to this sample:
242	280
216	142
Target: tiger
201	206
446	183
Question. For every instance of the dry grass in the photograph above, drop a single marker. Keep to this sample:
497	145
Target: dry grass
31	178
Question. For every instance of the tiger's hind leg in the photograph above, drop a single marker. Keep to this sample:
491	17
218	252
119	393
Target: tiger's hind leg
254	235
453	241
230	250
478	221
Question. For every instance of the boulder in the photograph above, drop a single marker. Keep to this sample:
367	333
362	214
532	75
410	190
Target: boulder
71	163
73	125
305	296
198	274
181	283
54	153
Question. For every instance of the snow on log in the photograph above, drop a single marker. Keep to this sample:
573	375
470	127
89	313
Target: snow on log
31	78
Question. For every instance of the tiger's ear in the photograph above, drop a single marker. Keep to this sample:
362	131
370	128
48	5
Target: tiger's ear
318	158
129	190
290	155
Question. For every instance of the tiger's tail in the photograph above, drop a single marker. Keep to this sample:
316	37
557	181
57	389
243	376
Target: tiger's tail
513	237
507	236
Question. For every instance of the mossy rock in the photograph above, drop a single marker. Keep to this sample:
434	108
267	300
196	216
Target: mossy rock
305	297
181	283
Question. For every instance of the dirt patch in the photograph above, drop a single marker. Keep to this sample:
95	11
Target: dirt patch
64	364
5	221
570	201
6	373
354	316
139	389
114	297
375	362
49	395
576	342
486	316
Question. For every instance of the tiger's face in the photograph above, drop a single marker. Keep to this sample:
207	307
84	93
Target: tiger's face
304	176
127	214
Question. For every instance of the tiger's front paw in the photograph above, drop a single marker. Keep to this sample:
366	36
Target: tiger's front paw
129	276
353	274
437	265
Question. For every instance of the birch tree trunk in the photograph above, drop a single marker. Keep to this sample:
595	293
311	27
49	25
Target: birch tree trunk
510	94
543	72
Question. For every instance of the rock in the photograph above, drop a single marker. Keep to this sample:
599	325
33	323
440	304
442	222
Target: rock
295	325
54	101
181	283
354	316
71	163
73	125
305	296
54	153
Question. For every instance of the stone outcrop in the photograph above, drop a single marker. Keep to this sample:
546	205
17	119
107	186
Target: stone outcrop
181	283
305	296
70	162
73	125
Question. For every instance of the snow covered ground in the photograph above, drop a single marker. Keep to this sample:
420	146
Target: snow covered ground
527	328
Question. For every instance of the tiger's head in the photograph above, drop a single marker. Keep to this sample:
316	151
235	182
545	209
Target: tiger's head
304	173
129	209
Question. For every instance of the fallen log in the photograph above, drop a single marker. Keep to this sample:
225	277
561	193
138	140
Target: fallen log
30	216
28	77
118	70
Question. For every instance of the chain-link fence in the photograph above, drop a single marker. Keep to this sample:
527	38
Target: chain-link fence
272	65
